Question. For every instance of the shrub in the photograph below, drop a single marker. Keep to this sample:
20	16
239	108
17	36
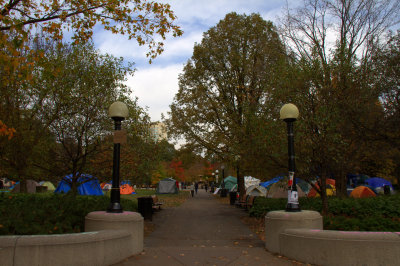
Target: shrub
32	214
369	214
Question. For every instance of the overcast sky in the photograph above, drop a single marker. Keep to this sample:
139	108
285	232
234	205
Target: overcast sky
156	84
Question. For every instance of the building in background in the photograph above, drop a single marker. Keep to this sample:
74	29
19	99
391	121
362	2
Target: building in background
158	131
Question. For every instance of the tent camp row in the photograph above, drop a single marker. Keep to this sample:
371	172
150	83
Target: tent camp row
277	187
89	185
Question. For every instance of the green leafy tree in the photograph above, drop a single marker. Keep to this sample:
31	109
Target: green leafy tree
87	83
224	103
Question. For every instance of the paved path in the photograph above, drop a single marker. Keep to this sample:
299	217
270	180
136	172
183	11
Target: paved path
203	231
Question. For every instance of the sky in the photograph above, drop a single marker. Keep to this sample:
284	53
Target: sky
156	84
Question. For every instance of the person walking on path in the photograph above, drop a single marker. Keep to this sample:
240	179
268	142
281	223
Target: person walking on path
196	187
191	187
205	187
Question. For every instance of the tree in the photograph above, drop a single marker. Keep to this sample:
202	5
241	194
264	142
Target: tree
87	83
224	103
386	81
334	97
138	19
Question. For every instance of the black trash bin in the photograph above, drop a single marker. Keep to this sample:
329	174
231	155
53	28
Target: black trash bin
145	207
232	197
224	192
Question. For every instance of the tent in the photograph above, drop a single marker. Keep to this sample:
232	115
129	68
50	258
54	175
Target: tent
230	182
362	192
90	187
30	186
304	185
280	190
378	183
126	189
49	185
256	190
330	191
251	181
105	186
268	183
167	186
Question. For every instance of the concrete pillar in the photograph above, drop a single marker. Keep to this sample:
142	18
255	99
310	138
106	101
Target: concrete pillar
129	221
277	221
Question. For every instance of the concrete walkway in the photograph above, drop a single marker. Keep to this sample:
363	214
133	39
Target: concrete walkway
203	231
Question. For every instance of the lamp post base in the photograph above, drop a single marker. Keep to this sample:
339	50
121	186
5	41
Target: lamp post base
114	207
293	207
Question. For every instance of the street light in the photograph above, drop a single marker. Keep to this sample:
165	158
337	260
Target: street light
289	113
216	176
118	111
223	190
223	177
237	159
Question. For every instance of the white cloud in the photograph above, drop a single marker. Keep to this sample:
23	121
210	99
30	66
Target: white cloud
155	87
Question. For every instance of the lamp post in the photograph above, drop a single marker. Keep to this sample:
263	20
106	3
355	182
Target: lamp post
223	189
223	177
289	113
237	159
216	176
118	111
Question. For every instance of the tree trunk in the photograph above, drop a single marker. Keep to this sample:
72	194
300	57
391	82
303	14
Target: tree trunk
324	197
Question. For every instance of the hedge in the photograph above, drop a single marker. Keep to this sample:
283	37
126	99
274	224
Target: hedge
380	213
32	214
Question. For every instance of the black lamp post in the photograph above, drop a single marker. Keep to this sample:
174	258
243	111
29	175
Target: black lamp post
223	177
216	176
289	113
237	159
118	111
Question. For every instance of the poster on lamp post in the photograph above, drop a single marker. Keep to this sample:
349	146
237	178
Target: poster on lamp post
120	136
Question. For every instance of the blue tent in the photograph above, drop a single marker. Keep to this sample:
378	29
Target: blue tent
266	184
91	187
377	183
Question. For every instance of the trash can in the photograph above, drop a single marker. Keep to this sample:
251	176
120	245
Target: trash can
224	192
145	207
232	197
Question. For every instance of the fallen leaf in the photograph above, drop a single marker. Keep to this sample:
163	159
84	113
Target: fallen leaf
236	243
250	246
182	255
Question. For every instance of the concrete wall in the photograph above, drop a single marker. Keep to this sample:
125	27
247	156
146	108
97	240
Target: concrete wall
109	238
326	247
104	247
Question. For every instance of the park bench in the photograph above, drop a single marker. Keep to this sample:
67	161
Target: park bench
247	203
156	203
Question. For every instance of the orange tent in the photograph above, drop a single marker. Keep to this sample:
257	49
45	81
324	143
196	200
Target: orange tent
362	192
126	189
330	190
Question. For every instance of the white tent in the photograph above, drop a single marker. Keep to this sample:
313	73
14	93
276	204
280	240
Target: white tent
251	181
256	190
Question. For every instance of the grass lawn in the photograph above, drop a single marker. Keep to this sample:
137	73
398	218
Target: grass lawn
168	200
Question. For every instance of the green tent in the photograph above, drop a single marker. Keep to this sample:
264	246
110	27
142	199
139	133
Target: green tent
230	182
49	185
